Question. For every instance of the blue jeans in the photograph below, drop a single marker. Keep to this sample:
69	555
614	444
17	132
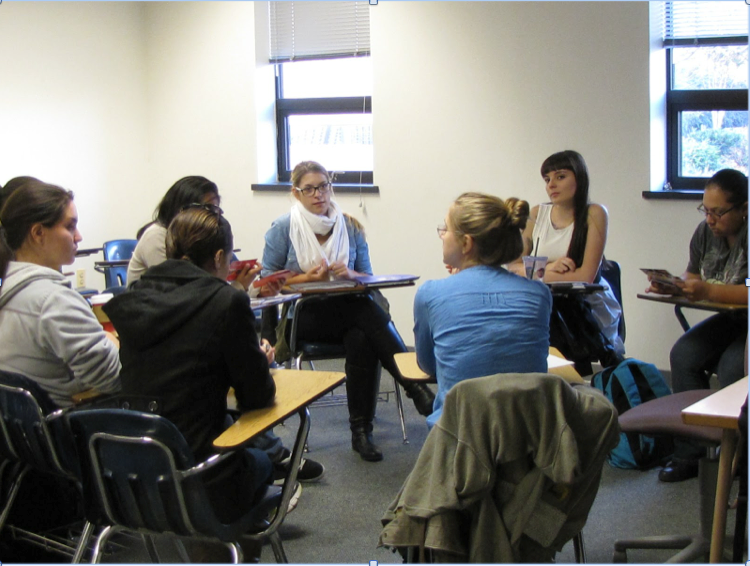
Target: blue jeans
715	345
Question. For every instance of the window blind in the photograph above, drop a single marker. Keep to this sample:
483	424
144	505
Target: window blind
707	22
318	30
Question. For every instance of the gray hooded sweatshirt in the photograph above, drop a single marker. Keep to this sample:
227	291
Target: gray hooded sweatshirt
49	333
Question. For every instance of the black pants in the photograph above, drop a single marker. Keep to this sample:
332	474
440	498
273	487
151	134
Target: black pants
368	336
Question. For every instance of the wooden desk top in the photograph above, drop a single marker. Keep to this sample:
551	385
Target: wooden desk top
294	389
358	285
409	368
112	263
722	409
683	302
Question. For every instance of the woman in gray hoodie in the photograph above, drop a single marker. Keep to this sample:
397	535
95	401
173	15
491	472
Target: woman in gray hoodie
48	331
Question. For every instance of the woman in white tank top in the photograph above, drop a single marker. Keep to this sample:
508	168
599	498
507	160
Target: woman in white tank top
572	232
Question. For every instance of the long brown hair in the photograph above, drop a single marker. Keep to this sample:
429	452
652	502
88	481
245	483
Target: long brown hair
32	203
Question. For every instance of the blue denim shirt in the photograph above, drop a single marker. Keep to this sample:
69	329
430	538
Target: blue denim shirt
480	321
279	252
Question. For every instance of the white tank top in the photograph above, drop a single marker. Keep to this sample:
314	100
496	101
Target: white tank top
553	243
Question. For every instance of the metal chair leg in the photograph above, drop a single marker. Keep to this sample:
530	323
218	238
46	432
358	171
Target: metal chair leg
83	542
400	407
579	549
101	540
12	493
236	552
278	549
153	555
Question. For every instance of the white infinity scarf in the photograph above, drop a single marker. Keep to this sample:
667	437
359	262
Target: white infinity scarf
305	225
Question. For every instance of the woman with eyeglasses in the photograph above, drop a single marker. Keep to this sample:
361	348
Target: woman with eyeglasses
571	232
318	242
151	248
48	331
716	272
483	319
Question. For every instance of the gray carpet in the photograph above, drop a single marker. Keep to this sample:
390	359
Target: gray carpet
338	519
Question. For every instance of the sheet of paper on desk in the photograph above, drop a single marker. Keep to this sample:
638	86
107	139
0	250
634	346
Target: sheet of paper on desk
665	279
567	284
555	362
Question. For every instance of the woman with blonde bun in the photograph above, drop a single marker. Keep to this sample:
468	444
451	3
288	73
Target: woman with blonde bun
483	319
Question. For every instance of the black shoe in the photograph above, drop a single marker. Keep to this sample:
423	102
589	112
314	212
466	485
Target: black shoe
309	471
362	443
423	397
679	470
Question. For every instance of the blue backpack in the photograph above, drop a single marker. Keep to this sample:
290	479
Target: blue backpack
627	385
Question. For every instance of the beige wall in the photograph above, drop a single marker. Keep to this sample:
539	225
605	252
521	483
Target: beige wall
468	96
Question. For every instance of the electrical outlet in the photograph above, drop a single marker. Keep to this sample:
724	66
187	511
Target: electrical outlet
80	278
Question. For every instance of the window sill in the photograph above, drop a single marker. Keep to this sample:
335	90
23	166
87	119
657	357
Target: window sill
341	188
673	195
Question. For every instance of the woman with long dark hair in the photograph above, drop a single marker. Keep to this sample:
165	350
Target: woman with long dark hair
571	232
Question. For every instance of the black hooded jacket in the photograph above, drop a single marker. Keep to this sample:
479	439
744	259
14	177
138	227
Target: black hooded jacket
186	337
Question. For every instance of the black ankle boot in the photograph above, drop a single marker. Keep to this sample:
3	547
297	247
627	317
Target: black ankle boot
362	442
423	397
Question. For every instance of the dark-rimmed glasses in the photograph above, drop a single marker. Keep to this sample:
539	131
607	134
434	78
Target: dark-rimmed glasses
717	214
310	191
205	206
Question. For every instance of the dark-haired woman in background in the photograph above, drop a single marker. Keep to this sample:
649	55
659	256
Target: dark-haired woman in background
151	248
716	272
483	319
571	232
48	331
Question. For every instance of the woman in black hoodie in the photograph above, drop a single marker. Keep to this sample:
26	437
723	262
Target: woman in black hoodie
186	337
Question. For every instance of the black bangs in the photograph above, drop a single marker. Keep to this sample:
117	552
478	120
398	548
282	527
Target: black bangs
556	162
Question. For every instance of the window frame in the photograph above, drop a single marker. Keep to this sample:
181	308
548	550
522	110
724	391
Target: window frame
287	107
681	100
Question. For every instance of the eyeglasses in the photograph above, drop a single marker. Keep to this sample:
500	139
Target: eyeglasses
717	214
310	191
442	229
212	208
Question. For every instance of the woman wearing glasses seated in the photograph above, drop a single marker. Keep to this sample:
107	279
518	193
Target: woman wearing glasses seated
483	319
318	242
151	248
716	272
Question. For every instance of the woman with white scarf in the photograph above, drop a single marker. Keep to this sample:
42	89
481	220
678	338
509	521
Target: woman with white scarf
319	243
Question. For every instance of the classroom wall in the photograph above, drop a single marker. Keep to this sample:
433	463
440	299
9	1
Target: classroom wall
72	107
468	96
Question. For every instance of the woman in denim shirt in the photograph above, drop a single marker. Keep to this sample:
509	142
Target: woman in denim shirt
318	242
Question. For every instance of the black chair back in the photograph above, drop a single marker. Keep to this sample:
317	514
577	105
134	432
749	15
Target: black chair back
30	432
144	476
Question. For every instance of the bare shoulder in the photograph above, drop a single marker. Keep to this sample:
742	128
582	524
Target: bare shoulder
598	213
534	213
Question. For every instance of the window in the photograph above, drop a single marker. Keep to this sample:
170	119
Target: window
323	87
707	85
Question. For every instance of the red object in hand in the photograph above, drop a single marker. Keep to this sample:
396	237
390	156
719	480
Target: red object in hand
236	266
283	274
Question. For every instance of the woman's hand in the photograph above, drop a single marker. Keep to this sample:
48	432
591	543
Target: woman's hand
661	289
247	275
562	265
341	271
268	350
318	273
272	288
452	270
696	290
